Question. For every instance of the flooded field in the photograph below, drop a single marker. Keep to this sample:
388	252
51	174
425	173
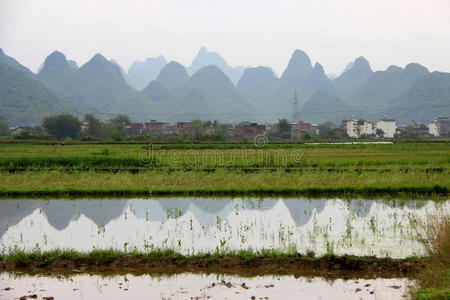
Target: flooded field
194	286
199	225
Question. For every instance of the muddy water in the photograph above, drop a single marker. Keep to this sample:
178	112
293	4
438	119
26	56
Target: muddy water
194	286
191	225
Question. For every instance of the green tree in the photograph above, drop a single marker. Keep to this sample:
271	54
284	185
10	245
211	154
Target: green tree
327	130
306	137
242	124
37	130
119	122
284	128
198	127
379	132
93	125
4	127
219	134
61	126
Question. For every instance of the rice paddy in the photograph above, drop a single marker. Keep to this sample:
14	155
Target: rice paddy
320	211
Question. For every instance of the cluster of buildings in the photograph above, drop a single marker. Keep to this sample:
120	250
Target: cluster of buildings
388	128
247	131
231	131
354	128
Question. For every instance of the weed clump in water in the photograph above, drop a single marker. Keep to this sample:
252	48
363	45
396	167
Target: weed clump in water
434	280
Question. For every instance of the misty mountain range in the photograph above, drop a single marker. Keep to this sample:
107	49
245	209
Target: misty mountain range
212	89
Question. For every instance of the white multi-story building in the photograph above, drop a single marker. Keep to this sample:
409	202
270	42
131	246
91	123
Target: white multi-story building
356	128
388	126
433	129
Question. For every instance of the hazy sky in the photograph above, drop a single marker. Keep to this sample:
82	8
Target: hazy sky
244	32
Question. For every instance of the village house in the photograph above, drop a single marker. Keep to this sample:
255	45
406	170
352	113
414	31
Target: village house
439	126
400	129
388	126
184	128
156	128
134	128
340	132
420	130
433	129
300	128
19	130
356	128
251	130
228	128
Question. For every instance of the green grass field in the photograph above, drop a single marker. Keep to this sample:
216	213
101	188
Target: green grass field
411	168
421	155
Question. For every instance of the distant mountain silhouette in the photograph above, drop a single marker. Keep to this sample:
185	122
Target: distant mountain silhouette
319	81
384	86
296	73
155	90
122	71
173	75
24	100
73	64
323	107
257	86
427	98
207	58
141	73
302	77
55	67
353	78
97	84
169	93
206	92
8	60
277	95
212	83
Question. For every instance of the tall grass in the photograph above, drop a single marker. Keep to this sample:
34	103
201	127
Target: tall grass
434	281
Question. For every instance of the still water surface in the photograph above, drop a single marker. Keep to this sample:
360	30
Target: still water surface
192	225
196	286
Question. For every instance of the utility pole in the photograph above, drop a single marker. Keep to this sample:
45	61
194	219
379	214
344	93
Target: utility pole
295	115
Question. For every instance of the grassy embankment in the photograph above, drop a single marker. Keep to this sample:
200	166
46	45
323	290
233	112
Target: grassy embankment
410	169
245	262
434	278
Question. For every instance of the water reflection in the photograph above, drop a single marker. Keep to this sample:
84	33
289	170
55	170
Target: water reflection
197	286
362	227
